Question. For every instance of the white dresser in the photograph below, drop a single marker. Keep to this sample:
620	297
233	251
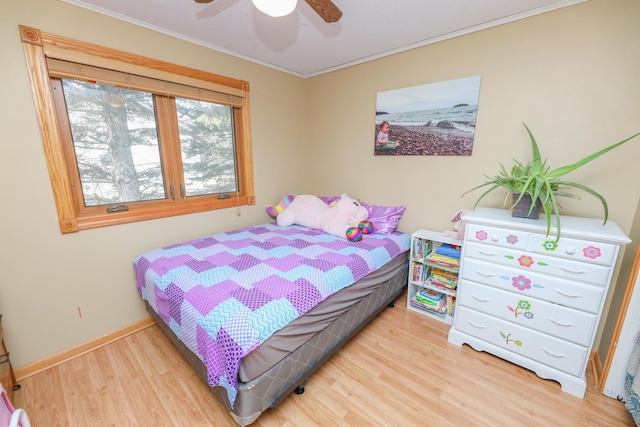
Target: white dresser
533	301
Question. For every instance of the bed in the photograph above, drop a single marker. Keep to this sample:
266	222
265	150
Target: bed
256	311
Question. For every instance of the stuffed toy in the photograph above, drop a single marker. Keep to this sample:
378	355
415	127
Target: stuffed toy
458	226
274	210
344	218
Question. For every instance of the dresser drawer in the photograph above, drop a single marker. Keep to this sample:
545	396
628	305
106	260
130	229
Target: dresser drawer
580	272
579	250
525	284
569	248
551	351
562	322
497	236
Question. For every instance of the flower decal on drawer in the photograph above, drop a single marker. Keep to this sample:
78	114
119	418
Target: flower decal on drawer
521	282
525	261
481	235
507	338
592	252
523	308
550	245
512	239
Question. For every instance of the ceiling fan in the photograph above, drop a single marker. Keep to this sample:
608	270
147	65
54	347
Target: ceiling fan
328	11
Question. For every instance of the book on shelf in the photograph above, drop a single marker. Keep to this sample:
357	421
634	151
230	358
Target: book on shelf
421	248
444	308
443	261
439	311
439	288
430	297
449	250
430	300
419	272
439	306
443	278
451	303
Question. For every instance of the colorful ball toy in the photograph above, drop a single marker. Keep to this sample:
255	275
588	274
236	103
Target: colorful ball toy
366	227
354	234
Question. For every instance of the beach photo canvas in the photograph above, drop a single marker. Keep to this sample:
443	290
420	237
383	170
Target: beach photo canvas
436	119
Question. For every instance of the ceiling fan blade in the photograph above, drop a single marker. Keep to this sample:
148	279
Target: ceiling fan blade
326	9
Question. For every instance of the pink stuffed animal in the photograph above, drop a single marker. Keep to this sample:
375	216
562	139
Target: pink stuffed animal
311	211
458	226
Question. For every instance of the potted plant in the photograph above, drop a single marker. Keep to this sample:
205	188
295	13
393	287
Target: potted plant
535	180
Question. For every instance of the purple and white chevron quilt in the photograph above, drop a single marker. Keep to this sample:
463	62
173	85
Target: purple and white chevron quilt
225	294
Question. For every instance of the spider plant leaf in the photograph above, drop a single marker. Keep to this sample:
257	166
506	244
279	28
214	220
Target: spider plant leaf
569	168
485	193
567	195
541	183
594	193
495	185
552	205
539	189
536	163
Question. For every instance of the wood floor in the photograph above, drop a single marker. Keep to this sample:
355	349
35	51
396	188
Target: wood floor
399	371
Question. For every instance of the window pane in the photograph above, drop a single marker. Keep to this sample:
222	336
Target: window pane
206	142
115	142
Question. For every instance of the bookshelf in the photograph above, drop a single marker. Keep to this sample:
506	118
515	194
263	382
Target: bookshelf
433	275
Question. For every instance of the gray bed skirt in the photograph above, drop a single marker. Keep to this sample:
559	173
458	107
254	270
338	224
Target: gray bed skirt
292	372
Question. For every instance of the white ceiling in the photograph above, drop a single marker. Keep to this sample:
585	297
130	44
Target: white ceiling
304	45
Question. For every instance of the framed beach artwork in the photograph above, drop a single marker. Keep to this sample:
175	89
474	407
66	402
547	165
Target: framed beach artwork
436	119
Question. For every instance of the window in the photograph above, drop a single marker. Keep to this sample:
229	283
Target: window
127	142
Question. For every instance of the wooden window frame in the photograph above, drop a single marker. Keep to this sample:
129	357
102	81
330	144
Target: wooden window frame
39	47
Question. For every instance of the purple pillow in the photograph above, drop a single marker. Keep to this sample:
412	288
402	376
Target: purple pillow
384	218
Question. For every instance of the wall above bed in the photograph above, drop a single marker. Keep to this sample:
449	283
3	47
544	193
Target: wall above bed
313	136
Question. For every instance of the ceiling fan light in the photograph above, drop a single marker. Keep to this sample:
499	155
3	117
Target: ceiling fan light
275	8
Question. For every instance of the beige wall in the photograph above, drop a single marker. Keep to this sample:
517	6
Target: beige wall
572	75
46	276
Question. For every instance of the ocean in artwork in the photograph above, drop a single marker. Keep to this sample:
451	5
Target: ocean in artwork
461	118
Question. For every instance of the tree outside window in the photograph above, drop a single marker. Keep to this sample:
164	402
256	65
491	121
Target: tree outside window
132	143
